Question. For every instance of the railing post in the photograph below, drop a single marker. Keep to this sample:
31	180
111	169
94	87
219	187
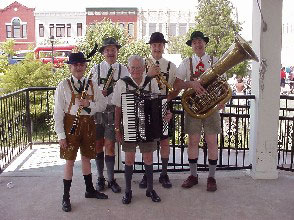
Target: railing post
28	116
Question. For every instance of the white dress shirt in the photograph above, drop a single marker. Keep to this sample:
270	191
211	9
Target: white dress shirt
104	67
184	71
63	97
163	63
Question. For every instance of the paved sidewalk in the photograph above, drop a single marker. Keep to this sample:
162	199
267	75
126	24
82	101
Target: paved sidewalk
37	190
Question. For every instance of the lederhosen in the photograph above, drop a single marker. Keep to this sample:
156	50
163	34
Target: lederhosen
106	117
84	137
146	146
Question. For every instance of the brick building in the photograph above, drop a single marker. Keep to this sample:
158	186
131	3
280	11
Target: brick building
18	23
125	17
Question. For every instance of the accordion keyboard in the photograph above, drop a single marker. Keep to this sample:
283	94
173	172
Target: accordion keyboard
129	117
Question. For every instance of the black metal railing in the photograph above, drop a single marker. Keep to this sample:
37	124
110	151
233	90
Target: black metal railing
27	118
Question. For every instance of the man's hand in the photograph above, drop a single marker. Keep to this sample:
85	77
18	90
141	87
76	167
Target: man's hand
221	107
118	136
153	71
104	92
63	143
197	87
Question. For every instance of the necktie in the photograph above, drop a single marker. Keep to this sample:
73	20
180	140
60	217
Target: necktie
199	68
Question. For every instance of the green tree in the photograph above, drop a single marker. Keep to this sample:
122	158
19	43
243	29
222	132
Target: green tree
97	32
7	47
216	20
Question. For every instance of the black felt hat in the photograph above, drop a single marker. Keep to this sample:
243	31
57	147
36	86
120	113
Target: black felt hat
195	35
109	41
77	58
157	37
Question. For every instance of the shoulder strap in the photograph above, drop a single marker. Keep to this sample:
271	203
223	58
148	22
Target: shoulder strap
147	80
191	68
129	81
98	72
211	60
119	71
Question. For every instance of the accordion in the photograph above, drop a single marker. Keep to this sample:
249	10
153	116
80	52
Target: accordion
142	117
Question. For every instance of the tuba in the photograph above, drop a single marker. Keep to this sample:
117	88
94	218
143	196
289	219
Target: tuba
218	90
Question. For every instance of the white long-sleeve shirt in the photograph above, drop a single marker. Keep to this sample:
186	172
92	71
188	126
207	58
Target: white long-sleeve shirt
63	97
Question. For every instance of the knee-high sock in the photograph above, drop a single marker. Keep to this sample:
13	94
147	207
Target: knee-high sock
100	163
164	166
193	166
66	188
149	175
109	161
89	183
212	167
128	177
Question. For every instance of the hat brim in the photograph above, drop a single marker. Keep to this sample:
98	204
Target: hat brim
78	61
157	41
102	48
189	42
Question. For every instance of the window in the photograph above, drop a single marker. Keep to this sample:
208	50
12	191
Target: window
24	30
152	28
51	28
172	30
68	30
41	30
131	29
8	31
16	28
60	30
160	27
79	29
182	28
121	26
144	29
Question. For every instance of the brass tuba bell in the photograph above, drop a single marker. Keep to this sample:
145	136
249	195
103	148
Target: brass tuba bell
218	90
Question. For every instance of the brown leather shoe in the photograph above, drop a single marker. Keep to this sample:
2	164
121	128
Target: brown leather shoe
190	181
211	184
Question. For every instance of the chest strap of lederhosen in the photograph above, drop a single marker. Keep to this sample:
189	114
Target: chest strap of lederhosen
103	80
78	96
130	82
167	76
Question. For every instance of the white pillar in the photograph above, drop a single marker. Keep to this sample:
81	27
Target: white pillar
264	115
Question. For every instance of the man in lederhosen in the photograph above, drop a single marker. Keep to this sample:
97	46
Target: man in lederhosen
74	122
168	70
188	74
138	83
105	75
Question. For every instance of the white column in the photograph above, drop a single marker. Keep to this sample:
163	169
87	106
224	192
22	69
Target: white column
264	115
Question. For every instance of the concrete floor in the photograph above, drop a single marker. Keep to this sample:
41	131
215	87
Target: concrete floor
37	189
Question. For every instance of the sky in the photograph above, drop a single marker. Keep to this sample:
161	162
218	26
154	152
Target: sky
243	7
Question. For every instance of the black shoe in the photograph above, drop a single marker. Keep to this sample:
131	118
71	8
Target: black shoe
114	186
66	206
127	198
95	194
164	180
100	185
143	183
153	195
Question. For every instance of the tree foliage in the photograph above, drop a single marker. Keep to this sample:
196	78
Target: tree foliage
216	20
97	32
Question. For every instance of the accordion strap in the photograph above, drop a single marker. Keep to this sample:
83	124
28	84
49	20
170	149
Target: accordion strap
130	82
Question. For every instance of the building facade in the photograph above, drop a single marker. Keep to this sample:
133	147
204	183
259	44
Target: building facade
126	18
65	27
18	23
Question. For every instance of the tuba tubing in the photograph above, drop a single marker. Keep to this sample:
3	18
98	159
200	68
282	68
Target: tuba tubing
193	104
